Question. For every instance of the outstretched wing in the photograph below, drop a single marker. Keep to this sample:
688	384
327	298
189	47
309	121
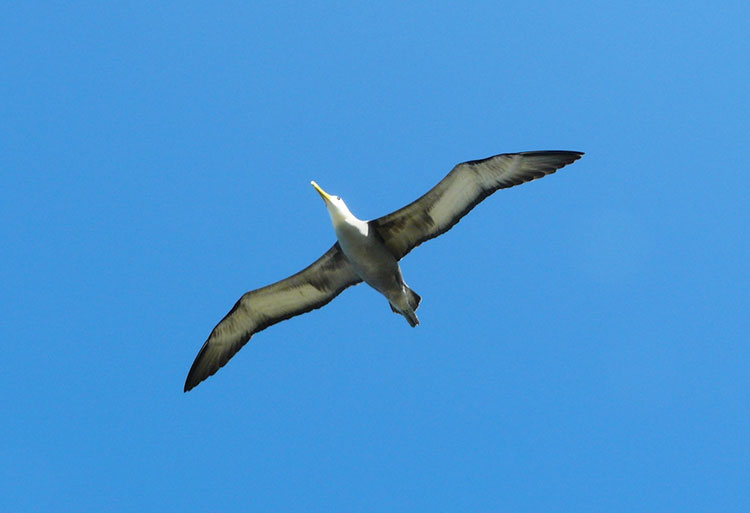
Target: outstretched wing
460	191
310	288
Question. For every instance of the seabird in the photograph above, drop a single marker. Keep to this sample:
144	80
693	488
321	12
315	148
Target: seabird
369	251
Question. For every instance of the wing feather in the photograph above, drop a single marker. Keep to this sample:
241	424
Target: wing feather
461	190
313	287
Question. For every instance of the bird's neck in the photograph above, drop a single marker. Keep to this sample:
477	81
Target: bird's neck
346	221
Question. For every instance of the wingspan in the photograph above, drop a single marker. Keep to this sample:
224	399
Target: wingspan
311	288
460	191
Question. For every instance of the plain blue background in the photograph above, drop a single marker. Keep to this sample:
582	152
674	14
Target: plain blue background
584	338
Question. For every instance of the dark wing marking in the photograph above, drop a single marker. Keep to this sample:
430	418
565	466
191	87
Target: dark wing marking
256	310
461	190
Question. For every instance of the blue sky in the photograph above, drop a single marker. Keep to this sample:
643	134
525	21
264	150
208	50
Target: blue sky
584	338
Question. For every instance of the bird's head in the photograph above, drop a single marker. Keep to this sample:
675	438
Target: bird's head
336	206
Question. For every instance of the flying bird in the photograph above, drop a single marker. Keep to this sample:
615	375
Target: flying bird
369	251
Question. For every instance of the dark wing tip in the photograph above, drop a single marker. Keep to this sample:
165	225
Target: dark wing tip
566	156
209	360
197	373
554	159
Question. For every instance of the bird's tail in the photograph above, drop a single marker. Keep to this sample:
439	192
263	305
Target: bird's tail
413	299
411	318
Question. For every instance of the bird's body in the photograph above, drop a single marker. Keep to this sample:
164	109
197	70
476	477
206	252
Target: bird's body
370	258
370	251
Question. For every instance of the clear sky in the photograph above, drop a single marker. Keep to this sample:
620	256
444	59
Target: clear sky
584	339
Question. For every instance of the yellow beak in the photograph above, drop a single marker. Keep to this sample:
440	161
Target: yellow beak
323	193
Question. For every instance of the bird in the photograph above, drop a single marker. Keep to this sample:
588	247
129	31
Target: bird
370	251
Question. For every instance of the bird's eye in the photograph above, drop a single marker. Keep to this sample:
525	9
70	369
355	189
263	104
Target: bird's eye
338	198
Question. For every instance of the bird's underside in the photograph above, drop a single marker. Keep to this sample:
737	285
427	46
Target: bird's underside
396	233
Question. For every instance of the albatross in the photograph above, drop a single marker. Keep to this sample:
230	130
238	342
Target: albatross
370	251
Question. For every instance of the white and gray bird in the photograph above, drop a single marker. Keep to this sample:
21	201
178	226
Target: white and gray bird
369	251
